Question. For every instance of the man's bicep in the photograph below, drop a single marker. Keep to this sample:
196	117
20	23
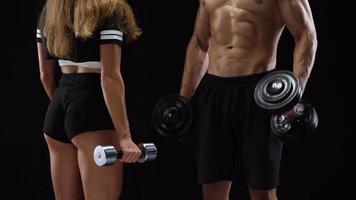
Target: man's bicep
297	16
202	26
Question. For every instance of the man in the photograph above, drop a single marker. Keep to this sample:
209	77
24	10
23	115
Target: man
234	44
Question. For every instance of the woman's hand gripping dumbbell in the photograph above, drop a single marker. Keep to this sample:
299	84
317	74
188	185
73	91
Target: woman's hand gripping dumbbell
108	155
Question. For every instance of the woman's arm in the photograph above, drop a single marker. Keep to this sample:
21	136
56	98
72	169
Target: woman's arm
47	71
114	95
114	89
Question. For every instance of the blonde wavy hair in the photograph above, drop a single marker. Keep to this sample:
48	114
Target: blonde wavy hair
64	20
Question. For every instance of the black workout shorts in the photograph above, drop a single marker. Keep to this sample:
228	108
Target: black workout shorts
233	133
77	106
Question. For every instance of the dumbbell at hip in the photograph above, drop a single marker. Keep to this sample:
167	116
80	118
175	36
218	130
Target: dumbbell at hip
298	125
108	155
172	116
280	93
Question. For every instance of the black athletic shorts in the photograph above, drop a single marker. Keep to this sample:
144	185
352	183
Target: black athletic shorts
77	106
233	133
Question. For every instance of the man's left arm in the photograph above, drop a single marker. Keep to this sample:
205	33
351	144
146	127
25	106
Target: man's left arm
298	18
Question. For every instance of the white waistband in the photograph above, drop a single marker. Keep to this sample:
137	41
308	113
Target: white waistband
88	64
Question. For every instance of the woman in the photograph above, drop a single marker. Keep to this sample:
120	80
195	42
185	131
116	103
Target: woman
87	108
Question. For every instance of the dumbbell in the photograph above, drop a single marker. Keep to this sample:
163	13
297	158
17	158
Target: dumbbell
172	116
280	92
108	155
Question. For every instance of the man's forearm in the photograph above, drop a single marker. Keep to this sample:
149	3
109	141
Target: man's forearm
304	56
196	64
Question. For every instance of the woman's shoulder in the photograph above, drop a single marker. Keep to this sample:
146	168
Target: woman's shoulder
41	18
112	20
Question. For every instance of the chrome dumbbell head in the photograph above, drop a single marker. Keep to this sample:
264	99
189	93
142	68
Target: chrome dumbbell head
105	155
149	152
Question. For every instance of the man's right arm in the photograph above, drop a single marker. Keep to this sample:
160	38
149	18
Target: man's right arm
196	55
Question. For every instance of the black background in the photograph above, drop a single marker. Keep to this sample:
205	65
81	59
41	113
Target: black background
320	168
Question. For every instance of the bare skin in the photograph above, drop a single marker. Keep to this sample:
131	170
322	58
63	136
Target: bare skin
65	172
73	171
66	69
240	37
98	182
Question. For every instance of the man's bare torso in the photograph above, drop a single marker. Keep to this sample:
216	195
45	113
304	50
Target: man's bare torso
244	36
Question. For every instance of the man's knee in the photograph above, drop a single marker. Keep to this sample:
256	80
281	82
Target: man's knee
217	191
270	194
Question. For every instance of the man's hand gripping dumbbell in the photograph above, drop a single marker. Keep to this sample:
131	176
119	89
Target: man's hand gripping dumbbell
280	93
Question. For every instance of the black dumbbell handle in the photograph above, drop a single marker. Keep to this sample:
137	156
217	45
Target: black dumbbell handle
298	111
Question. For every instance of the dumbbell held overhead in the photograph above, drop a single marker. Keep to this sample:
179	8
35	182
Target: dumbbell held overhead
108	155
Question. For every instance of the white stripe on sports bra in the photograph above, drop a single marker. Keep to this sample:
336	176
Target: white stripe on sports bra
111	32
88	64
111	37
